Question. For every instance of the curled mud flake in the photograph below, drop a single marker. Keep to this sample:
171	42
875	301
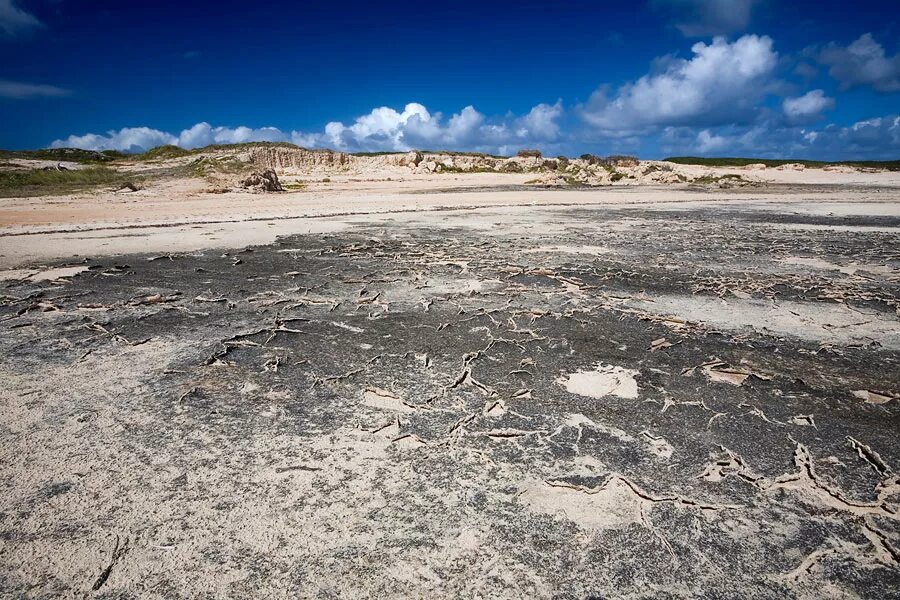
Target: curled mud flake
388	428
660	344
458	428
385	400
509	432
870	456
602	381
874	397
807	482
495	409
721	372
409	440
465	378
803	421
732	464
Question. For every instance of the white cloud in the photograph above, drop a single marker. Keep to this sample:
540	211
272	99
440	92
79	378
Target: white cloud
203	134
14	21
708	142
721	83
18	90
701	18
861	63
808	106
871	139
128	139
382	129
541	122
386	129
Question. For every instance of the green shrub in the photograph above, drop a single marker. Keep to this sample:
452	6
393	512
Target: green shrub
41	182
163	152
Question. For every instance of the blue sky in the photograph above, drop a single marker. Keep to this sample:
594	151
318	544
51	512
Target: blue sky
657	77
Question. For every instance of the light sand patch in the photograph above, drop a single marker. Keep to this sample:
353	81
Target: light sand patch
51	274
851	269
385	400
15	274
817	322
39	275
603	380
612	506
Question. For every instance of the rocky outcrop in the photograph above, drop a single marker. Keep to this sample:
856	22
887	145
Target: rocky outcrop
282	157
265	181
587	170
411	159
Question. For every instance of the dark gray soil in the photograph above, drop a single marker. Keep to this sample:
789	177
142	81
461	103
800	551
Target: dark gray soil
382	413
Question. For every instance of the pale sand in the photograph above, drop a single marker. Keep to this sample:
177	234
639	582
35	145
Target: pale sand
180	217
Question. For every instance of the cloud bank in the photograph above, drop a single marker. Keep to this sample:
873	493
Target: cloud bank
871	139
382	129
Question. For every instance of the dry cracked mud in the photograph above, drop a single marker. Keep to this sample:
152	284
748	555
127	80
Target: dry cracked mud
615	403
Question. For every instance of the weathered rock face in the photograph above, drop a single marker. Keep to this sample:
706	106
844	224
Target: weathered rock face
266	181
411	159
278	157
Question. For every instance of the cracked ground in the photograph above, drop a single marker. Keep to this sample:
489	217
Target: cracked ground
545	402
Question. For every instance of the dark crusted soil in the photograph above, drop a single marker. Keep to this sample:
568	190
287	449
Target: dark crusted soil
384	412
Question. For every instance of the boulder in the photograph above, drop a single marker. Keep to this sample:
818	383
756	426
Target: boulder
265	181
411	159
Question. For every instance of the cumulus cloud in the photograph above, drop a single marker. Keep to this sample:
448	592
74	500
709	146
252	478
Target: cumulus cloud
708	142
18	90
382	129
807	107
387	129
863	63
871	139
701	18
14	21
204	134
722	83
128	139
